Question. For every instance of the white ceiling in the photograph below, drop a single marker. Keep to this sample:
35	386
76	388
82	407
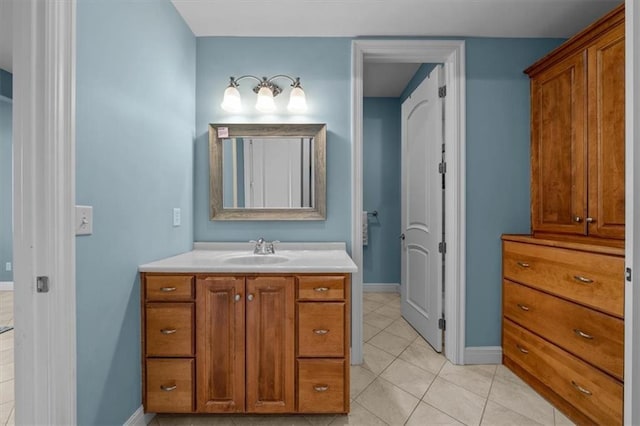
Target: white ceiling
6	35
387	80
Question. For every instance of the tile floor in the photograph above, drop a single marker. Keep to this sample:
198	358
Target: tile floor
401	382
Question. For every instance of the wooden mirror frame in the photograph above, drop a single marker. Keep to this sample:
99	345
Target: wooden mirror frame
319	134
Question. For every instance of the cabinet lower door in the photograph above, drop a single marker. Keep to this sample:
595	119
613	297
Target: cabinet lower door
270	331
220	344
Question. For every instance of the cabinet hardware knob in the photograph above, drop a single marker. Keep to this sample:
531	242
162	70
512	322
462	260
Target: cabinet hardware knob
168	330
577	219
320	331
582	279
167	289
523	264
250	297
237	297
581	389
321	388
521	349
590	220
582	334
321	289
523	307
168	388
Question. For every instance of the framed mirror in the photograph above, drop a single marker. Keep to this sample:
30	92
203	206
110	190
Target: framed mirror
267	171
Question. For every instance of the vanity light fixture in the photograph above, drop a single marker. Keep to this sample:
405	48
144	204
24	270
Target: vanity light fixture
266	90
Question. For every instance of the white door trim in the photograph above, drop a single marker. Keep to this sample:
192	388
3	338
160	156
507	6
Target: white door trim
452	54
44	197
632	244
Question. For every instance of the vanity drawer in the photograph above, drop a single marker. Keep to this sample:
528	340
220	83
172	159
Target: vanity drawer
596	394
169	385
593	336
593	279
321	329
321	387
169	329
325	287
169	288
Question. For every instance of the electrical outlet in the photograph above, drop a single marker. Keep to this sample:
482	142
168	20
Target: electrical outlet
7	266
84	220
176	217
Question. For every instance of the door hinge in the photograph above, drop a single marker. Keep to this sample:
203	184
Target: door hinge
442	168
42	284
442	91
628	274
442	247
442	324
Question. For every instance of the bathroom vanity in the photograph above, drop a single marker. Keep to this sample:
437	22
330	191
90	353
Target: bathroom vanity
228	331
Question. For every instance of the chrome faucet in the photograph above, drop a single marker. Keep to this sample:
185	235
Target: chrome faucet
264	247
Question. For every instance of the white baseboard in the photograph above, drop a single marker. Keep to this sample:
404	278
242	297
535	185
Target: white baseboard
139	418
483	355
381	287
6	285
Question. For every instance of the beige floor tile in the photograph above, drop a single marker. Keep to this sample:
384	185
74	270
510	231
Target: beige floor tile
6	356
561	419
5	412
360	379
368	331
383	298
376	360
408	377
497	415
154	422
388	402
459	403
6	340
320	419
295	420
218	420
389	311
505	373
6	372
377	320
426	415
6	391
521	398
395	303
423	356
359	416
370	306
401	327
173	419
475	378
390	343
12	418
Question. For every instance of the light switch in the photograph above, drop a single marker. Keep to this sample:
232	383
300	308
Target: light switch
176	217
84	220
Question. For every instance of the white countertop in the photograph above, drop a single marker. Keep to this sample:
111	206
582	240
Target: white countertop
221	257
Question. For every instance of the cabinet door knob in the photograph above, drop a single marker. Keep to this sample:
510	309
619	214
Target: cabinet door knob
321	388
250	297
320	331
583	280
167	289
577	219
321	289
590	220
581	389
168	330
237	297
582	334
168	388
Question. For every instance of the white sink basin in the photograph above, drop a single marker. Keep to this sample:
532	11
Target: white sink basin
257	259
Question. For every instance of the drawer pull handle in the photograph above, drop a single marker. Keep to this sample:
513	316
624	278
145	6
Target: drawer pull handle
321	289
523	307
521	349
168	388
581	389
168	330
582	279
167	289
321	388
582	334
523	264
320	331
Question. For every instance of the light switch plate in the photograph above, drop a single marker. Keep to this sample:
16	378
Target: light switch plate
84	220
176	217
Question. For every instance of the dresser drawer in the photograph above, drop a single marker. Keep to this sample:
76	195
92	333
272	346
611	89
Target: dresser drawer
321	386
169	288
169	385
595	280
321	287
593	336
321	329
169	329
594	393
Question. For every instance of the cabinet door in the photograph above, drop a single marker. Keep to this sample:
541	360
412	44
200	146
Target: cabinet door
270	344
606	135
558	148
220	347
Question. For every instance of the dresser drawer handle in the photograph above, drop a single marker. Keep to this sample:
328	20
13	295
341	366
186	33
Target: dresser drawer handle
581	389
167	289
583	280
168	388
320	331
321	289
521	349
321	388
523	307
523	264
582	334
168	330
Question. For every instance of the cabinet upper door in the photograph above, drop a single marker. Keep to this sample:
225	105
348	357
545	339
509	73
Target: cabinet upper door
558	147
220	344
606	134
270	344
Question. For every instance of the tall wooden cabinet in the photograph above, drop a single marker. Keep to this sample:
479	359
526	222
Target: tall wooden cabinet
577	134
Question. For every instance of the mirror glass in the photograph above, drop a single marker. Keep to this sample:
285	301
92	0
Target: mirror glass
267	171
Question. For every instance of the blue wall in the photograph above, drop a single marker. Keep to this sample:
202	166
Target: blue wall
324	65
381	189
135	130
6	84
6	178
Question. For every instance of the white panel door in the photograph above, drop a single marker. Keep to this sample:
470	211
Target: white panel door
422	199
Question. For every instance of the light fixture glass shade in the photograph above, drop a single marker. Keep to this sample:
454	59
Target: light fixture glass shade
297	100
265	102
231	101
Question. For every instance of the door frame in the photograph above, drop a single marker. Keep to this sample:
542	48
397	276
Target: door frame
451	53
44	197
